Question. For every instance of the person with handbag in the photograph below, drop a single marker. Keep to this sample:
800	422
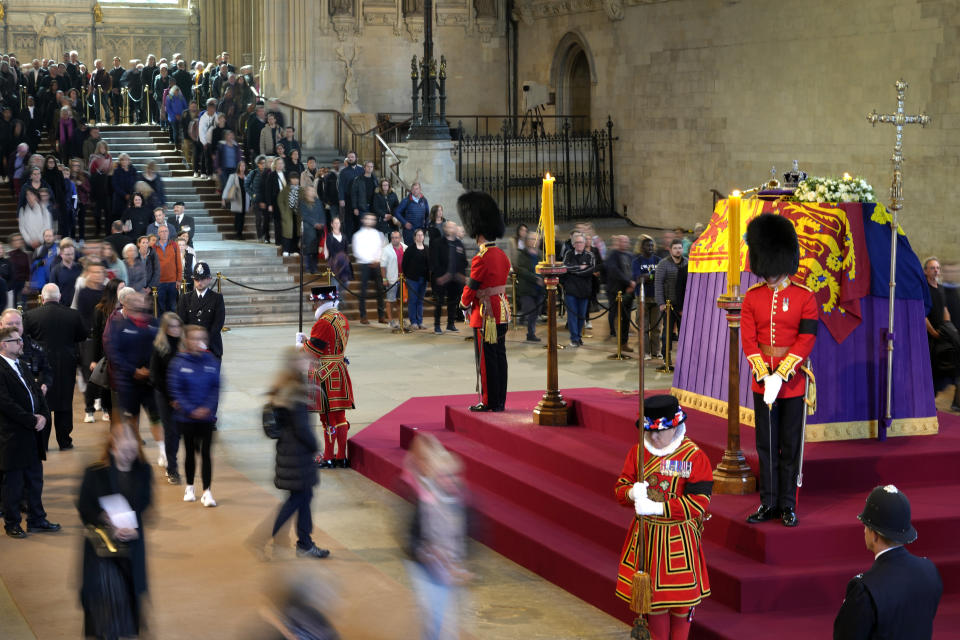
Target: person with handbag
296	471
115	493
97	393
164	349
235	197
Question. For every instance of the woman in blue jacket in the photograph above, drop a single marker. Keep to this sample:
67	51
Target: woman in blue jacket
193	385
413	213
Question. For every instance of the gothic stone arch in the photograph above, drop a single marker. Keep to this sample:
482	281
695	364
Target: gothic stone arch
573	74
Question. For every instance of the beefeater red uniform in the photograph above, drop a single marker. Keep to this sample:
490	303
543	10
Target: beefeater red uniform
778	329
484	299
333	391
672	549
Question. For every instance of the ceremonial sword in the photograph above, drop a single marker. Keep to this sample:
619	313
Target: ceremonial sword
803	432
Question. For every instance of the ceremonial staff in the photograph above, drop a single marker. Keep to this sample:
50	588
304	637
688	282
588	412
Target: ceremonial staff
641	586
898	119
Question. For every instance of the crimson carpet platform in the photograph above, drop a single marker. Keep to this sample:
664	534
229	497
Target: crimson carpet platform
546	500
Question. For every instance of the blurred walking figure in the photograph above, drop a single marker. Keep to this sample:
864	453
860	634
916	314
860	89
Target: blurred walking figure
114	494
438	535
296	448
165	347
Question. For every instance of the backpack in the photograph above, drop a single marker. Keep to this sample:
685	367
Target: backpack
270	425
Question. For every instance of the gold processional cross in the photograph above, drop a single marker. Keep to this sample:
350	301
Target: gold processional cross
897	119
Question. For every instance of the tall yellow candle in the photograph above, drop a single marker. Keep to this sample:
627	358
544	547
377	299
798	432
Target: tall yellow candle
733	243
546	219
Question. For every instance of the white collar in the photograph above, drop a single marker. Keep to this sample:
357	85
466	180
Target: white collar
12	363
885	550
670	448
200	293
322	309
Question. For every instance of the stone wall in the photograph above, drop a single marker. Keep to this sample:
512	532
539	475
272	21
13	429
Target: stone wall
38	28
709	94
355	57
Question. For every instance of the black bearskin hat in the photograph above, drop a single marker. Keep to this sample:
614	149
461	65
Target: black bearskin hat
480	215
773	246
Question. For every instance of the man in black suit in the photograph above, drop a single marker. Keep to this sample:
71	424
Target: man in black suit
59	330
898	596
23	415
181	222
116	74
204	307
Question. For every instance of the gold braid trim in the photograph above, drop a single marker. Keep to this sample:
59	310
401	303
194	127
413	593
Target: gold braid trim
788	366
760	368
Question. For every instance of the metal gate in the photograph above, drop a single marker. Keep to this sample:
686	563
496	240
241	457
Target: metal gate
511	169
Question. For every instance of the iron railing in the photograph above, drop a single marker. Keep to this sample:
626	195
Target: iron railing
511	169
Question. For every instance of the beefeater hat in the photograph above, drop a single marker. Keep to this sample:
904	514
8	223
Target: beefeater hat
773	246
480	215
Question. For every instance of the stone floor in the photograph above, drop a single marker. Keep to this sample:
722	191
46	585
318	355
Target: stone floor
505	601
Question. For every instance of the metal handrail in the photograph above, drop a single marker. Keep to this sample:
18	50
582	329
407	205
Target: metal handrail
395	165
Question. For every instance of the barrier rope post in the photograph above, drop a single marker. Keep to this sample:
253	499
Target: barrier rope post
126	102
513	298
400	284
220	291
149	115
83	101
153	291
668	346
619	355
99	104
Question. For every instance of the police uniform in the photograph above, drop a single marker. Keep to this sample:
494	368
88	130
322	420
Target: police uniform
897	597
206	310
332	389
778	328
484	299
680	478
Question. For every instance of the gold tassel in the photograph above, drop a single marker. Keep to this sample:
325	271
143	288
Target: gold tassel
489	330
810	399
641	593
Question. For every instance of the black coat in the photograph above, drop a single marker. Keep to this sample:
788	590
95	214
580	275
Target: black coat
20	442
207	312
296	448
440	257
896	598
101	480
59	330
186	224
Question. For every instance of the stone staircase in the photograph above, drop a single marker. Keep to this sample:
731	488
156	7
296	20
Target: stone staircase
247	262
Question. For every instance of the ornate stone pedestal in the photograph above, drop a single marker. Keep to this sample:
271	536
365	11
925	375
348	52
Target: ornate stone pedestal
430	162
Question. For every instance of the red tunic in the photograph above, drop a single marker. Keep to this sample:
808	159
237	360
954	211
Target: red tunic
785	320
485	291
327	342
672	552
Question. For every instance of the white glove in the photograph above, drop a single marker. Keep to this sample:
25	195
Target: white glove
647	507
300	339
771	388
638	489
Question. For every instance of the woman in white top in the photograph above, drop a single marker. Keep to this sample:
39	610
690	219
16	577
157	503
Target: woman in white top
34	218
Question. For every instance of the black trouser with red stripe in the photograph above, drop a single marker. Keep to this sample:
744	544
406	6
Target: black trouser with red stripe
492	364
778	449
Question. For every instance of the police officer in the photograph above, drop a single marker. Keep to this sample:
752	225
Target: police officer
204	307
897	597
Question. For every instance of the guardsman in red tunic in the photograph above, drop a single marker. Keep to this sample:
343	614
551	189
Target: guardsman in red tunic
484	299
778	328
333	392
672	494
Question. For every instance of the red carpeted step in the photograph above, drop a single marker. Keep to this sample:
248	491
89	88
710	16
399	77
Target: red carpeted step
551	497
577	564
714	621
558	450
854	465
